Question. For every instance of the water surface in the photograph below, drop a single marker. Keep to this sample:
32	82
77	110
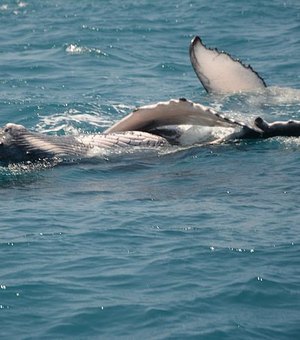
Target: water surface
200	243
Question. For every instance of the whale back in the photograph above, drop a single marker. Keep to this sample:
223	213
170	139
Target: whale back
219	72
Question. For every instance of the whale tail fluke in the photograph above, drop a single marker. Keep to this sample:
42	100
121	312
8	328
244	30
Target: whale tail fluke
220	73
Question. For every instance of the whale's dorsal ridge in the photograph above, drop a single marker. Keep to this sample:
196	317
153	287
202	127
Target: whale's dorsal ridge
218	71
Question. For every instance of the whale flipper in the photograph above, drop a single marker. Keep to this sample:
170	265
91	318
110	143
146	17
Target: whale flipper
173	112
219	72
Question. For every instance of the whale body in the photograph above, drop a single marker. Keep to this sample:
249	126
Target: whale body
162	124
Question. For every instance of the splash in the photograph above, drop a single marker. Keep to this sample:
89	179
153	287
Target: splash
73	122
25	172
22	4
76	49
81	118
9	8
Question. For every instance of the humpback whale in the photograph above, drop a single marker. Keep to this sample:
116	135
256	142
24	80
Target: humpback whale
162	124
174	122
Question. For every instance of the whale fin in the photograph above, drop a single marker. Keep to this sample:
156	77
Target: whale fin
219	72
173	112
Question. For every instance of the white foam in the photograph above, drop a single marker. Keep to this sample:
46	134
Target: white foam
70	122
4	7
22	4
76	49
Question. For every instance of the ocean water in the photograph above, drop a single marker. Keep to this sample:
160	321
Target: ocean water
198	243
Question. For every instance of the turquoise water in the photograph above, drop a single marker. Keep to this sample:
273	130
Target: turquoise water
200	243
